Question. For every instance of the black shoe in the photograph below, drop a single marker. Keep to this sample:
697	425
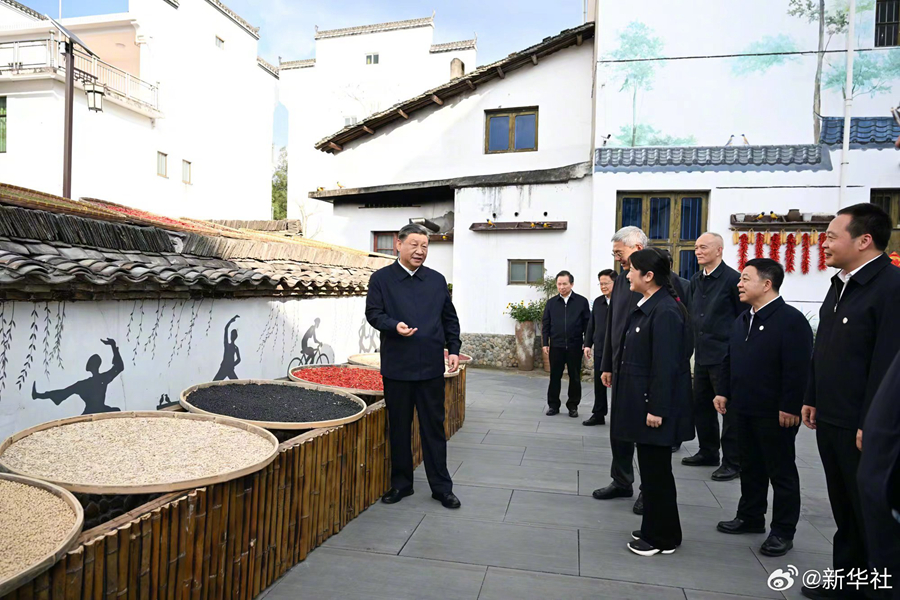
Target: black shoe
552	411
573	412
394	495
638	507
701	460
738	526
676	448
612	491
644	549
449	500
595	420
775	546
726	473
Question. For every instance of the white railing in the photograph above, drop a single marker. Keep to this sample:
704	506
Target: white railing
45	55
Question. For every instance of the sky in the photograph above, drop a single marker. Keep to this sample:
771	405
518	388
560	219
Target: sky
287	27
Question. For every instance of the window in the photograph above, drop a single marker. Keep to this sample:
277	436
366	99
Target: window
186	171
220	43
348	121
525	272
889	200
2	123
161	160
385	242
887	23
372	58
671	220
514	130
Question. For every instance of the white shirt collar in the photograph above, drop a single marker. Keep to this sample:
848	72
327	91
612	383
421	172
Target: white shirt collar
642	300
566	298
411	273
707	274
845	277
753	312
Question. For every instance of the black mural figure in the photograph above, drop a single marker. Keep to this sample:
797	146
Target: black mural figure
232	356
309	351
93	389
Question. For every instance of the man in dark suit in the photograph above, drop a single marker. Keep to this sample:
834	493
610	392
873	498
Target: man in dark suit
411	307
768	360
714	307
594	339
856	341
565	320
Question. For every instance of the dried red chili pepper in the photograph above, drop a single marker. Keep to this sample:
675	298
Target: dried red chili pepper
345	377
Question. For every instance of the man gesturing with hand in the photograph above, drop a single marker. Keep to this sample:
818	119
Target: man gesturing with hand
411	307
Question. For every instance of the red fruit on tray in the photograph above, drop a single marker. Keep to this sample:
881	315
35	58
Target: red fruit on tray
345	377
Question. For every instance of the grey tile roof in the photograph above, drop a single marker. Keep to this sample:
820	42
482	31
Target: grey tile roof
409	24
297	64
871	132
254	31
713	158
451	46
24	9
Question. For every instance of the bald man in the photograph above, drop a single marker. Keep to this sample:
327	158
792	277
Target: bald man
714	306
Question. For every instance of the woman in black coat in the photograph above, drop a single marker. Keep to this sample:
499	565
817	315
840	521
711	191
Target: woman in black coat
652	397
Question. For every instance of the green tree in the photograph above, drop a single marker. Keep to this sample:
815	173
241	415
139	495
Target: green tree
638	45
647	135
279	186
774	47
873	73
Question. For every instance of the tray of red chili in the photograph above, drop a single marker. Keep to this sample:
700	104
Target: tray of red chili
350	378
373	360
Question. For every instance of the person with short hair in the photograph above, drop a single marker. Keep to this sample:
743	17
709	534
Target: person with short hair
768	361
856	341
410	305
593	338
565	320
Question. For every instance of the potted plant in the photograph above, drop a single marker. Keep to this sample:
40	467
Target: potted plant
526	315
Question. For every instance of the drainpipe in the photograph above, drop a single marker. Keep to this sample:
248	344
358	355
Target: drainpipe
848	103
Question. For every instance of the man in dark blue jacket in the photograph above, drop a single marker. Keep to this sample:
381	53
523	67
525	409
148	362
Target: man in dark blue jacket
565	320
768	359
593	338
411	307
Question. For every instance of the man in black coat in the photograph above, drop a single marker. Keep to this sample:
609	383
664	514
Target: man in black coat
565	320
714	306
856	342
411	307
768	358
594	339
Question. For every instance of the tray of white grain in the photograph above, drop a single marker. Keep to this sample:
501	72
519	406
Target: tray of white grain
39	523
138	452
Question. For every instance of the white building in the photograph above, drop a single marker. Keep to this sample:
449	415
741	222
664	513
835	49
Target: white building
685	122
188	103
356	71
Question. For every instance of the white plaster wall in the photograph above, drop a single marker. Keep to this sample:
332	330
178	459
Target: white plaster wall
166	347
480	292
10	17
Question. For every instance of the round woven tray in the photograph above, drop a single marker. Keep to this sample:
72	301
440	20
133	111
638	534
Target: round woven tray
334	388
174	486
372	360
22	577
185	402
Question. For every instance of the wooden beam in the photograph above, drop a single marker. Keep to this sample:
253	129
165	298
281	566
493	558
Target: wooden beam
579	39
335	147
534	58
470	84
368	130
500	73
436	99
402	114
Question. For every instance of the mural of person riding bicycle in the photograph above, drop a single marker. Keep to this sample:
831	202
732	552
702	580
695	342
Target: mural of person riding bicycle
312	351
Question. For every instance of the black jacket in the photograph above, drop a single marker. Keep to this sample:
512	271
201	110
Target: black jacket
420	301
857	338
564	323
768	359
596	329
621	302
714	306
683	287
653	375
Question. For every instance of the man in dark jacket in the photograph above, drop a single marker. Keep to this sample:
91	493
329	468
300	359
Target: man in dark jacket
768	358
856	341
594	339
565	320
714	307
411	307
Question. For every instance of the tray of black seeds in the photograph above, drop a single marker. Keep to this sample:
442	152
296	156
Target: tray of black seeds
274	404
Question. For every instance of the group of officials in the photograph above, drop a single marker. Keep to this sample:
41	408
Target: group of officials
755	364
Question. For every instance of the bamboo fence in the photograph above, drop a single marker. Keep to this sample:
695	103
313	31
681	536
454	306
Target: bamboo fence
232	540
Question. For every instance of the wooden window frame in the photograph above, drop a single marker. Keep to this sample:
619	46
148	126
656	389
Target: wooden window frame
373	58
674	244
220	43
892	195
526	261
885	27
375	248
190	174
512	113
165	164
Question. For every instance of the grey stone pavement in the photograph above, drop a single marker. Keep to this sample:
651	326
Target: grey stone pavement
529	528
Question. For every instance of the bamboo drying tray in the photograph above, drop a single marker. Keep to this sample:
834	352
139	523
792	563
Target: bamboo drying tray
14	581
281	424
334	388
365	360
174	486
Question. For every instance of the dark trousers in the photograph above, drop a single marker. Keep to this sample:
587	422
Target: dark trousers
660	526
601	406
569	360
622	468
427	397
706	419
767	455
840	459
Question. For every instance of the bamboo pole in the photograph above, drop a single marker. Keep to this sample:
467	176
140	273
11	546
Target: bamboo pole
256	525
173	579
294	522
58	580
124	561
271	484
207	588
112	564
186	546
42	586
146	553
228	536
281	492
88	569
219	542
74	575
155	534
305	503
246	540
236	536
199	546
134	561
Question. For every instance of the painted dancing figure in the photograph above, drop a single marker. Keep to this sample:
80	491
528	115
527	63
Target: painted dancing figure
91	390
232	354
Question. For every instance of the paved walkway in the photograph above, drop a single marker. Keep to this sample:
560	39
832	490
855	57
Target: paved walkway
528	527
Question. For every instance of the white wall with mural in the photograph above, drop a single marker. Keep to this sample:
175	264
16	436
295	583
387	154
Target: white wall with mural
61	359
